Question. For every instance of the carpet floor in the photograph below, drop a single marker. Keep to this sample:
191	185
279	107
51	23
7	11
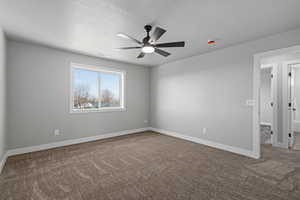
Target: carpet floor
150	166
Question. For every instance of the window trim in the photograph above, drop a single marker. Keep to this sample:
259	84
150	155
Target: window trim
95	68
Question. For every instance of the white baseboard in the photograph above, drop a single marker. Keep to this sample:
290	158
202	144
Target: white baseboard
268	141
224	147
2	161
281	145
266	123
23	150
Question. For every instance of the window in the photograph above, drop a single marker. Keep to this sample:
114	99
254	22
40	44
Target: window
95	89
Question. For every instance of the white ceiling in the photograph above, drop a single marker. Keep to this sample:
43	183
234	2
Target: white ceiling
90	26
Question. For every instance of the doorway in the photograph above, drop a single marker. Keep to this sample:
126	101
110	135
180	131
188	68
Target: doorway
278	57
293	101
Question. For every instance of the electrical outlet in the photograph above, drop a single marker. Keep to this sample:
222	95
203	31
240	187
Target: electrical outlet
204	130
56	132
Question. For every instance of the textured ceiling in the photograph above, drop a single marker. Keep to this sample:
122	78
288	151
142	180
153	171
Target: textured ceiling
90	26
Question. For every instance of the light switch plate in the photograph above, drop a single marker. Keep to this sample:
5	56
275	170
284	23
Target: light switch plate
250	102
56	132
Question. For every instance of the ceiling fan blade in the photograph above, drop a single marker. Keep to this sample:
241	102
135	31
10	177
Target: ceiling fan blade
170	44
158	32
122	35
124	48
141	55
162	52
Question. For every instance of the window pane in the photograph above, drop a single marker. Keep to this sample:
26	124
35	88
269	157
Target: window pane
110	90
86	89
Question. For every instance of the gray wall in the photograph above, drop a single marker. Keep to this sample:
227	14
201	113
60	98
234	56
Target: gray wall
2	94
38	93
265	96
210	91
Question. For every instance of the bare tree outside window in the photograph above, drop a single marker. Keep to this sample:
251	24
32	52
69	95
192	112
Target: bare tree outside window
93	90
83	98
85	89
110	90
108	99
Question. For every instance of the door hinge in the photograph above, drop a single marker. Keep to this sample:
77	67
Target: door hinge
272	75
272	104
271	132
290	104
290	73
290	135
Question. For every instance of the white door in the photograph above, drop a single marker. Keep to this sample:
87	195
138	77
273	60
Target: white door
291	104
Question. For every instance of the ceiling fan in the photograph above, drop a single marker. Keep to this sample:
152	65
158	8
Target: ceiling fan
149	45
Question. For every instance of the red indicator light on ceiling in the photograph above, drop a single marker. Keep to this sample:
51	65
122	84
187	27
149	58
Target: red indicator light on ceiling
210	42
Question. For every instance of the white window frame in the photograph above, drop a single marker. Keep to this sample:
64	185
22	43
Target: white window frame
96	68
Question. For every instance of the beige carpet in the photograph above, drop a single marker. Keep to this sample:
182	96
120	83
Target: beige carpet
150	166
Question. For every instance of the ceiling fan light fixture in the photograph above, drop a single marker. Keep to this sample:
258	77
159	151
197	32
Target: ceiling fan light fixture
149	43
148	49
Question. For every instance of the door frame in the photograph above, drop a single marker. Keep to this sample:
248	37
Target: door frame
288	125
256	93
274	99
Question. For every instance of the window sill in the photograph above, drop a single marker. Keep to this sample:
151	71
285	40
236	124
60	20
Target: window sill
79	111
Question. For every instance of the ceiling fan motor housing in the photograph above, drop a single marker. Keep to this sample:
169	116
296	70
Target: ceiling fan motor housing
146	40
148	28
